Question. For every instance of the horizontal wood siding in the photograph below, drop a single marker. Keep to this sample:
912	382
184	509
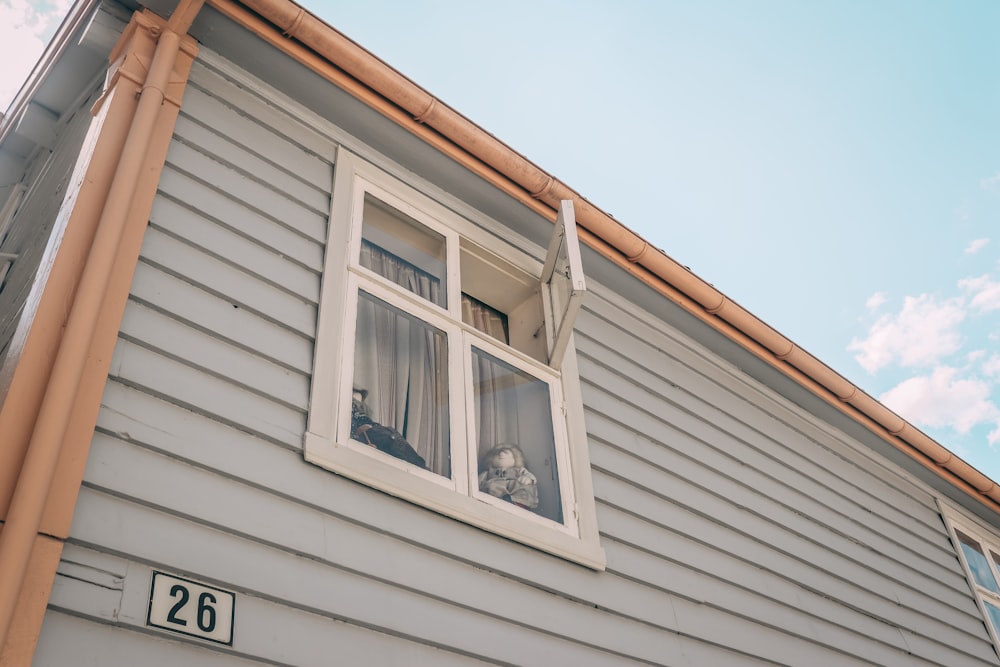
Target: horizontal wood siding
737	531
714	491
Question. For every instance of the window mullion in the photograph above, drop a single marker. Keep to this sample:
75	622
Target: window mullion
454	278
469	394
989	595
463	459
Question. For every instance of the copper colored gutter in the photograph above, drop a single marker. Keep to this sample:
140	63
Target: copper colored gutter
333	55
42	458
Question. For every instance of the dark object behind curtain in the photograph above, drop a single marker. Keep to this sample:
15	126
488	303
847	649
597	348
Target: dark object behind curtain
402	362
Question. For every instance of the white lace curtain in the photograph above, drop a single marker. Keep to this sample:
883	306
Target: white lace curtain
402	363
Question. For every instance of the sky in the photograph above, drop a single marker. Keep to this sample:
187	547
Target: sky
832	165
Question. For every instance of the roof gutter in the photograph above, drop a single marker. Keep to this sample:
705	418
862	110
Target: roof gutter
319	46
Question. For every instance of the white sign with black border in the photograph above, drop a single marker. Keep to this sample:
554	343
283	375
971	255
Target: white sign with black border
185	606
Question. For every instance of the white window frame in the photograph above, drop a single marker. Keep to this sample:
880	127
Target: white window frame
561	310
989	541
327	442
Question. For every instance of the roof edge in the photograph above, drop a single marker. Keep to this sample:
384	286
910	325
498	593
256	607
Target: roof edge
405	102
62	40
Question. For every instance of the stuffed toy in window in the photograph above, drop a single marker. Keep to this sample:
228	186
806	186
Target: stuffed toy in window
383	438
505	476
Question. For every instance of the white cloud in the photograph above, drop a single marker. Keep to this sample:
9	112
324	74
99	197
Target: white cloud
924	331
25	28
876	300
976	246
991	367
944	400
985	293
990	183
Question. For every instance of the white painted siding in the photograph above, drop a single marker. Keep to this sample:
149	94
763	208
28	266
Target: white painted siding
738	532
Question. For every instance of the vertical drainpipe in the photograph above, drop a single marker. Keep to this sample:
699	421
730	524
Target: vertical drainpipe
61	394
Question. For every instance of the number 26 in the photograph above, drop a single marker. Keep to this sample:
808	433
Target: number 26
206	611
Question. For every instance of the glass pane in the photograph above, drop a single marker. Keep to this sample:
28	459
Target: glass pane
516	446
406	252
502	301
994	614
485	318
977	562
400	400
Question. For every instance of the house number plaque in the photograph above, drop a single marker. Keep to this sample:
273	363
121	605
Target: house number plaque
184	606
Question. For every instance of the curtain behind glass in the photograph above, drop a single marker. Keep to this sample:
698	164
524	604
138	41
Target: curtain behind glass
494	415
513	409
402	362
485	318
400	272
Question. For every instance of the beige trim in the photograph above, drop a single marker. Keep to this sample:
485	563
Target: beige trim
52	406
31	604
306	38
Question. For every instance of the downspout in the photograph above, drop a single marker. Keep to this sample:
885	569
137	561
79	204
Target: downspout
37	472
411	106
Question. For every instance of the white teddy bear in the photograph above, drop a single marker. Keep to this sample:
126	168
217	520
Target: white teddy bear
505	476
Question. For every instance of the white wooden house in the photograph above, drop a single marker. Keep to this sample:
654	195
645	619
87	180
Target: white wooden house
268	308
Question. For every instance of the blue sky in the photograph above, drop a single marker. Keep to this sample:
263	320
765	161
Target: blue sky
832	165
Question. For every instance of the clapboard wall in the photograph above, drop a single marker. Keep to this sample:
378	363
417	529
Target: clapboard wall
738	531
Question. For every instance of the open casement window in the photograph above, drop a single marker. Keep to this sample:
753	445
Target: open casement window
445	372
979	552
563	283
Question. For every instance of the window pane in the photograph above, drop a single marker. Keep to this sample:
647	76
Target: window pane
516	445
406	252
485	318
510	293
400	402
994	614
977	562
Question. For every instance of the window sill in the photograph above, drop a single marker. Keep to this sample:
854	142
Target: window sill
410	485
